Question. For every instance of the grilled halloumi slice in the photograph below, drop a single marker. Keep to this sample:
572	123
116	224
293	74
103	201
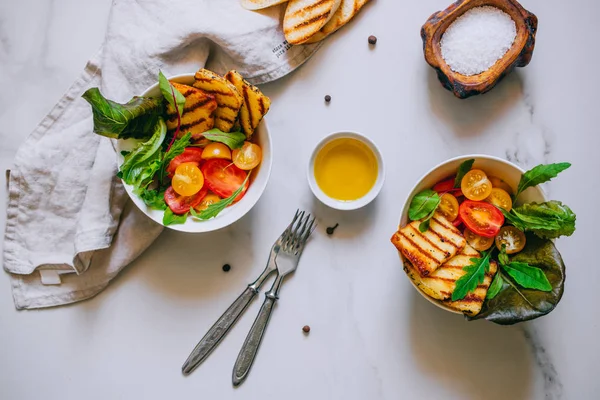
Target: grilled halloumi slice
198	113
427	251
345	12
472	303
441	283
260	4
229	100
255	104
304	18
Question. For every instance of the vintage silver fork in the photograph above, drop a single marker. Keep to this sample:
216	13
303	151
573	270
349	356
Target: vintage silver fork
224	324
286	261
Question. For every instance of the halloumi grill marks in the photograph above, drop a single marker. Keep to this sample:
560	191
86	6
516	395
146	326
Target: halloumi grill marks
428	250
255	103
473	302
345	12
198	113
304	18
229	100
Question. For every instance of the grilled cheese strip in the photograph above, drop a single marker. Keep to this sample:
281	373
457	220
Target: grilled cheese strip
260	4
255	103
429	250
198	113
229	100
472	303
345	12
441	283
304	18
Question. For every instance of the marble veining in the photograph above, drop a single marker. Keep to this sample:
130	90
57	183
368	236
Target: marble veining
553	387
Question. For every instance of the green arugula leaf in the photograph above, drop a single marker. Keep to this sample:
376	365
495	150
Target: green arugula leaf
214	209
176	149
135	119
527	276
475	274
171	219
423	204
152	198
233	140
462	171
495	287
540	174
548	220
172	95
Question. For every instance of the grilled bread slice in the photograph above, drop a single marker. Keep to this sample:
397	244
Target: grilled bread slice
441	283
260	4
304	18
255	104
472	303
427	251
198	113
345	12
229	100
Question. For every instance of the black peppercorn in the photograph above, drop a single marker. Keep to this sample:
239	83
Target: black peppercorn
327	98
372	39
306	329
226	267
331	229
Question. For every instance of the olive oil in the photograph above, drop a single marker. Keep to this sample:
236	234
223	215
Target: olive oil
346	169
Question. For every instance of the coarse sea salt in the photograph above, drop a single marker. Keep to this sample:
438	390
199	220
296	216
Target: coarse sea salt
477	39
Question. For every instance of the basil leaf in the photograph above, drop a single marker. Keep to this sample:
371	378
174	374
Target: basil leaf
423	204
214	209
424	225
548	220
462	171
495	287
540	174
233	140
516	304
172	95
135	119
153	198
527	276
475	274
171	219
140	165
176	149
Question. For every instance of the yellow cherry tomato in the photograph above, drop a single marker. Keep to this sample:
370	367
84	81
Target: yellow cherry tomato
216	150
479	243
513	238
208	200
449	207
188	179
500	184
500	198
248	157
475	185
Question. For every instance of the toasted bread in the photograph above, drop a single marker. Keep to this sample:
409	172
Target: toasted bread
472	303
427	251
198	113
345	12
304	18
229	100
255	104
260	4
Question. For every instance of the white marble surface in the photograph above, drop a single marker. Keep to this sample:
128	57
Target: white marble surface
373	336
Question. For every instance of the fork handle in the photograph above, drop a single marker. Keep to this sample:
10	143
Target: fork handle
250	347
218	331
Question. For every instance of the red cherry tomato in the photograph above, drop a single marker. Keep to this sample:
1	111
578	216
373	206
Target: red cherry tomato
447	186
223	178
481	218
182	204
190	154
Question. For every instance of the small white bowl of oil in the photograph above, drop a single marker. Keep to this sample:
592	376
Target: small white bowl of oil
346	171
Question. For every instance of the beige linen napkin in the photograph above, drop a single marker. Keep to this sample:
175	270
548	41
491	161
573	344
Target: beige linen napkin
70	227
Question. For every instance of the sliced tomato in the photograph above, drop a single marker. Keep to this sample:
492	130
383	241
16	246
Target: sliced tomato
223	178
190	154
182	204
513	238
481	218
449	207
447	186
457	222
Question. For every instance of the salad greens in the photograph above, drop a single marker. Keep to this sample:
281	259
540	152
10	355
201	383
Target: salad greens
135	119
172	95
423	205
495	286
177	147
233	140
214	209
540	174
474	276
170	218
548	220
463	168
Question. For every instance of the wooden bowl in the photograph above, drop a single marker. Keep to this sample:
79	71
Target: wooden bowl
519	54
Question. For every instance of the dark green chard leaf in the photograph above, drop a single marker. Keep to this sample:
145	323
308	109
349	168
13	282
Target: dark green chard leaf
172	95
171	219
233	140
462	171
548	220
475	274
135	119
423	204
515	304
540	174
495	287
214	209
527	276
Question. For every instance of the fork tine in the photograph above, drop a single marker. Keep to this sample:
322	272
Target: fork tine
300	235
287	230
292	229
309	231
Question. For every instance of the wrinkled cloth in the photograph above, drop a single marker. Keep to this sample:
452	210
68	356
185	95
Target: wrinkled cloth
70	226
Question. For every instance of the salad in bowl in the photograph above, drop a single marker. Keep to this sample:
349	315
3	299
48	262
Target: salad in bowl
476	238
193	151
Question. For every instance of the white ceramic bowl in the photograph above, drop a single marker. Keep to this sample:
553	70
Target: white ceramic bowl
258	179
492	166
354	204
